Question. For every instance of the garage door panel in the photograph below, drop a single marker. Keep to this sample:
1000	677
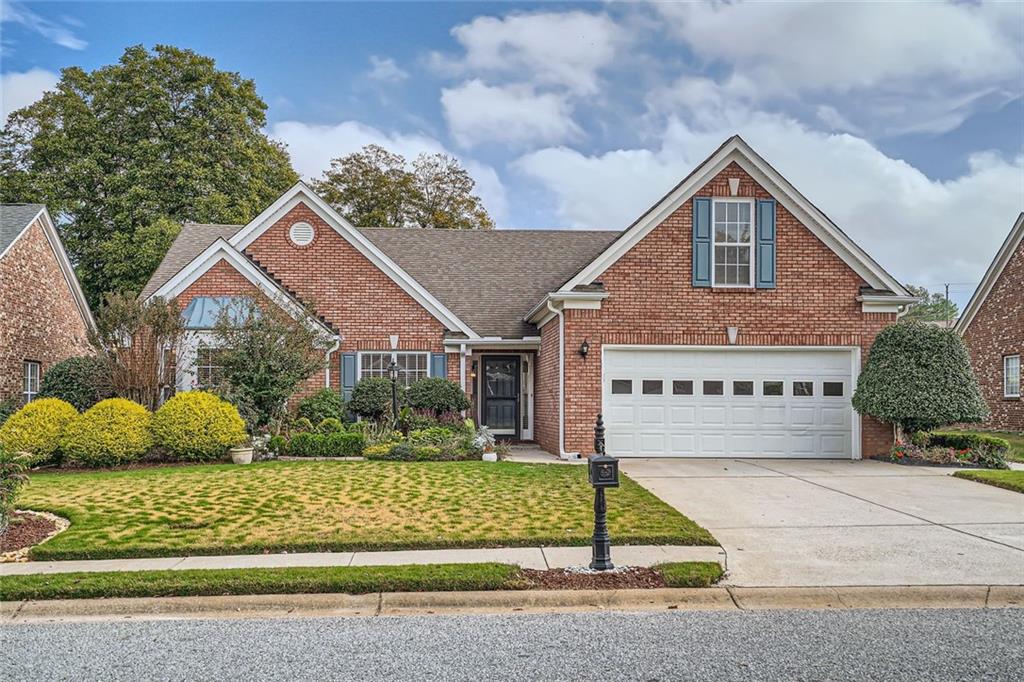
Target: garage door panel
652	415
712	444
620	415
835	416
683	416
683	444
744	416
712	415
802	416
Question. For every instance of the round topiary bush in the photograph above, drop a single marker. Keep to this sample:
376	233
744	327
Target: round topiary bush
371	397
111	432
37	429
437	395
324	404
197	426
83	381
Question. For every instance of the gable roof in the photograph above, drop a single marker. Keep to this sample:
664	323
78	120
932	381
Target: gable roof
736	150
190	242
995	270
15	220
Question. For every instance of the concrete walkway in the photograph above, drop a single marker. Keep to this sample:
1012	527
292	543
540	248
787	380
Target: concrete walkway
526	557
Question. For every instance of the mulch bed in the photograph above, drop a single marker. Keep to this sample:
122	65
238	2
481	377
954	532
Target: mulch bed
632	577
25	530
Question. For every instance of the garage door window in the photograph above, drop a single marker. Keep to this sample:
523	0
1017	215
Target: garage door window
682	387
622	387
652	387
713	387
771	388
743	388
832	389
803	388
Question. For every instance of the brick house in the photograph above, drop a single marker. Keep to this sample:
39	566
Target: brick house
992	326
730	319
44	318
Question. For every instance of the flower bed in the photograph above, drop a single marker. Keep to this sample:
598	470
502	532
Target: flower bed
952	449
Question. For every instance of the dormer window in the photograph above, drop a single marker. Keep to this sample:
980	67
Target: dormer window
733	252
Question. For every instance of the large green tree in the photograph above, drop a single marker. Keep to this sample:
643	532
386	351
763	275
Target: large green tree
934	307
118	152
378	188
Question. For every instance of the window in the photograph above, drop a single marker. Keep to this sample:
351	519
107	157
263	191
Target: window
209	370
30	381
622	387
411	366
803	388
743	388
771	388
651	387
682	387
832	389
1011	376
732	257
713	387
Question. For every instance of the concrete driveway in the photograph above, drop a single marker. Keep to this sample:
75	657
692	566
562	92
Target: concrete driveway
828	522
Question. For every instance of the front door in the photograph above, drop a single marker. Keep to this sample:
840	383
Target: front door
501	394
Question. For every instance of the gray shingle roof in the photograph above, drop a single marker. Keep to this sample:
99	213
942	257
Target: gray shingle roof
13	219
489	278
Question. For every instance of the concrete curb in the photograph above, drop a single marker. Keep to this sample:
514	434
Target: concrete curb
506	602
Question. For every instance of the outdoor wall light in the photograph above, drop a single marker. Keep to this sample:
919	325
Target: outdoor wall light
733	332
584	349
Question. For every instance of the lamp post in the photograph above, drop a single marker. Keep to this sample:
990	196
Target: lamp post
603	472
393	373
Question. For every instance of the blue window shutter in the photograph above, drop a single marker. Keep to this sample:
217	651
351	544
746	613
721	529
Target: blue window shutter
765	244
701	242
348	374
439	365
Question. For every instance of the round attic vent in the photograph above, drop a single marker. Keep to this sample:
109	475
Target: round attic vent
301	234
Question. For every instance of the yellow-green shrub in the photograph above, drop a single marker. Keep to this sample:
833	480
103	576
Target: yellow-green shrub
111	432
37	429
197	426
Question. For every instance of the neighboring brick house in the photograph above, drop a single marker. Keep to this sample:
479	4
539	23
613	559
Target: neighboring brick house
44	318
740	333
992	326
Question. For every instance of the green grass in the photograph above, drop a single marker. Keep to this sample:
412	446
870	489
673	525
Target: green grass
339	506
690	573
1011	480
202	582
1016	440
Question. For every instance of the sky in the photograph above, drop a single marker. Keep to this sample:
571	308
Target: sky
904	122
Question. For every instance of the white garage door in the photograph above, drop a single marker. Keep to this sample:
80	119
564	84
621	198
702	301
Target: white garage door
750	402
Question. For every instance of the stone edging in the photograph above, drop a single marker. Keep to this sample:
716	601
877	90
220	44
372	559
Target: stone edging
21	555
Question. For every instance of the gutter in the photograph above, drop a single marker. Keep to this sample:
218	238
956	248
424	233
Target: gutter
330	352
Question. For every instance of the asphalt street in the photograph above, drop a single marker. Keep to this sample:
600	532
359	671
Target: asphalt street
762	645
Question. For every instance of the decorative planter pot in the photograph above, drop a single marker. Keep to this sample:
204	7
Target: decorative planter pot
241	455
490	457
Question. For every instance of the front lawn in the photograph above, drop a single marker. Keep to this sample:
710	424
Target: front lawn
1016	440
1011	480
339	506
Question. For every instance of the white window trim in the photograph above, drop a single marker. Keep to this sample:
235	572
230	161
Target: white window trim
27	394
753	229
394	357
1006	376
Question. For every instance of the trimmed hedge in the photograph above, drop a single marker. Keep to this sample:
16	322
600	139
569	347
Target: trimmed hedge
371	397
82	381
110	433
37	429
969	441
437	395
324	404
197	426
338	444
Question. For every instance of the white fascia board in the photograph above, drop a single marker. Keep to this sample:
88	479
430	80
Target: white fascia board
301	193
880	303
566	300
219	251
995	269
455	345
739	151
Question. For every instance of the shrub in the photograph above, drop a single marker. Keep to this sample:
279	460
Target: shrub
278	445
37	429
436	435
377	452
437	395
111	432
341	444
330	425
971	441
371	398
324	404
7	408
12	477
919	377
934	454
302	445
197	426
301	425
427	453
83	381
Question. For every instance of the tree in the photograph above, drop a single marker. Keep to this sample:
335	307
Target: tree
919	377
933	307
266	356
121	152
377	188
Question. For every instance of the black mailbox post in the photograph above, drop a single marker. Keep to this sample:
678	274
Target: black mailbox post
603	472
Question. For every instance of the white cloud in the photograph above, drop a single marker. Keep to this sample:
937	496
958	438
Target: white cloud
59	33
564	49
18	90
312	147
385	70
922	230
513	114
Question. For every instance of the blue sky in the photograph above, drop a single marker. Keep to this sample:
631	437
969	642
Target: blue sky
904	122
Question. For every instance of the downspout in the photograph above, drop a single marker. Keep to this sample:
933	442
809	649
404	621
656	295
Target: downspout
462	372
561	384
330	352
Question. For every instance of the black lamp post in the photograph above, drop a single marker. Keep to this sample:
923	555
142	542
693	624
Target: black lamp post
603	472
393	373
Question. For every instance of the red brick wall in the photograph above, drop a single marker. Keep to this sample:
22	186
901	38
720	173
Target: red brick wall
545	389
998	330
39	319
652	301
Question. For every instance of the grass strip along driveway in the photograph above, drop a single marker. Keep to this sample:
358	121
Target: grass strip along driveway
1011	480
339	506
338	579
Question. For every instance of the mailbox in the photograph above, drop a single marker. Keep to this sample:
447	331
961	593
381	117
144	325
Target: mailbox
604	472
